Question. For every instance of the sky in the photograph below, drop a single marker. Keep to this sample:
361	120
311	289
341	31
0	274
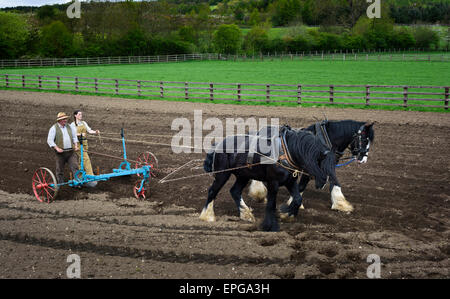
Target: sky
13	3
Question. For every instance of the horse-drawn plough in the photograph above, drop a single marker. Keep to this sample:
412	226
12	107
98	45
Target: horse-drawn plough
45	186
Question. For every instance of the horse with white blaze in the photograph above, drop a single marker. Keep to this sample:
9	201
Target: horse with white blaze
337	136
299	151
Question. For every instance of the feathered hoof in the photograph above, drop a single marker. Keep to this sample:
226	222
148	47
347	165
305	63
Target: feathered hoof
339	202
284	217
207	218
258	191
247	215
208	213
290	200
343	206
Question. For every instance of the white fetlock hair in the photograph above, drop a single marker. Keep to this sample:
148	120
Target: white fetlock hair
257	191
245	213
291	199
208	213
339	202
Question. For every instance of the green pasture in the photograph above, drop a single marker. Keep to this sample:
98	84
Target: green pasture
269	72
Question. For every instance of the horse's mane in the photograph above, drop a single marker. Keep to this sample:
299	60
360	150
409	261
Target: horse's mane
346	128
306	150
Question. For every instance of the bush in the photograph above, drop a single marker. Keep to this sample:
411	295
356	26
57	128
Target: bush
56	40
297	44
276	45
403	39
256	40
426	38
353	42
328	41
227	39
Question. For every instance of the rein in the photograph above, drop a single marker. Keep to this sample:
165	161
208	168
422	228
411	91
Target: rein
346	163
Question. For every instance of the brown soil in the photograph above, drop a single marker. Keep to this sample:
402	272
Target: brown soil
401	199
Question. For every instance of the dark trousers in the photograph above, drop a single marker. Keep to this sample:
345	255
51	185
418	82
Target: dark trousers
61	160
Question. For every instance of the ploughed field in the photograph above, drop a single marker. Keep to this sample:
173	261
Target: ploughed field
401	200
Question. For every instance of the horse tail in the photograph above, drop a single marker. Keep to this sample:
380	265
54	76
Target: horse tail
208	163
327	165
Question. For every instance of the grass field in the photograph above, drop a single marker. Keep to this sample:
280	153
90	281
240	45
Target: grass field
286	71
268	72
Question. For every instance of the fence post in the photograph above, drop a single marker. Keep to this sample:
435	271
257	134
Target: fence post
299	93
405	96
23	81
139	87
161	87
40	81
446	97
58	83
331	93
367	94
268	93
7	81
76	84
117	86
239	92
211	91
186	90
96	85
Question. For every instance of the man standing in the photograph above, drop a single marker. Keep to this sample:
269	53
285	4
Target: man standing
63	139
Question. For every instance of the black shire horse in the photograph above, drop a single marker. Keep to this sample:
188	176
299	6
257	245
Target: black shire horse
231	157
354	135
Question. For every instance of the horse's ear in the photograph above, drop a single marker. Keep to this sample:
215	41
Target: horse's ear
369	124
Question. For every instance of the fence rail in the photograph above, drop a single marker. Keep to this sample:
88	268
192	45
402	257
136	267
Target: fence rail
367	95
311	55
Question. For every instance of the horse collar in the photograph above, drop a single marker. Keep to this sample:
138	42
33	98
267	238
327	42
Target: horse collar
321	133
285	157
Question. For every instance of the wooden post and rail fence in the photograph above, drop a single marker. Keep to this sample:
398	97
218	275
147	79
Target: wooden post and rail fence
333	94
304	55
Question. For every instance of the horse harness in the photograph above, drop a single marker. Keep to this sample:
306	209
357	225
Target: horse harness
322	134
284	158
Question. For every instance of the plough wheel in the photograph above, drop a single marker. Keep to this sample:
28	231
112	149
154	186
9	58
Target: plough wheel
45	186
148	158
141	194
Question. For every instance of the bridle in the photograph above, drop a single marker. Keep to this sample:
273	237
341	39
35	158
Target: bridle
356	145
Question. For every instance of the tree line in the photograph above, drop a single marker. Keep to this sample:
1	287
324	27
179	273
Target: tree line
130	28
